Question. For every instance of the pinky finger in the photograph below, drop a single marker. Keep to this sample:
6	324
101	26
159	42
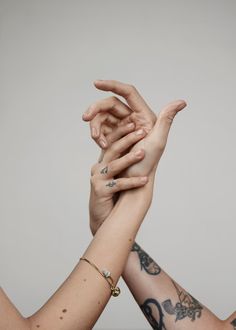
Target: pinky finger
126	183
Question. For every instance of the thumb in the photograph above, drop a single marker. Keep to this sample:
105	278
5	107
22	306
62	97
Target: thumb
165	118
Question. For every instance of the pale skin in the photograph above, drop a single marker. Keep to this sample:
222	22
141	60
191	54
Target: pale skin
165	303
79	301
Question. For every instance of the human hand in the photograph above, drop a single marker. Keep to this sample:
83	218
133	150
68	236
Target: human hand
105	115
155	141
104	175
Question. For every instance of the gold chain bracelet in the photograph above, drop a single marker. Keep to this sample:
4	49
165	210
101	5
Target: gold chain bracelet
115	290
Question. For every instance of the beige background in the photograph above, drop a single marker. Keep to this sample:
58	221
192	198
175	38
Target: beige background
51	51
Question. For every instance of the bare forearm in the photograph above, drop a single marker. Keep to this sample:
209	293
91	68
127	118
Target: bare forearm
80	300
165	304
10	317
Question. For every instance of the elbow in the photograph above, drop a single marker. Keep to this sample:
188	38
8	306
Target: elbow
28	323
230	322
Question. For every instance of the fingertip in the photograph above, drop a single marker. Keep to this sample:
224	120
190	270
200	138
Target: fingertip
94	132
144	179
181	104
97	81
139	153
131	126
103	143
86	116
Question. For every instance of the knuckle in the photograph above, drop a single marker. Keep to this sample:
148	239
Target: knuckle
117	185
112	167
166	116
169	113
130	157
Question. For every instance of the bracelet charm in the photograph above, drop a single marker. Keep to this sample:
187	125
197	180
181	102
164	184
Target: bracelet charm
115	290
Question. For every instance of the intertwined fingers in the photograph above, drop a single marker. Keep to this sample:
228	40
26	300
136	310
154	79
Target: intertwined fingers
121	146
129	92
116	134
103	180
138	111
108	112
117	166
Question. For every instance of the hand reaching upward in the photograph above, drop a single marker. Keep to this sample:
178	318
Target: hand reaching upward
108	113
105	115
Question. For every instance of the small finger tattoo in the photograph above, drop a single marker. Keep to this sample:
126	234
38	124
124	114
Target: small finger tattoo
104	170
111	184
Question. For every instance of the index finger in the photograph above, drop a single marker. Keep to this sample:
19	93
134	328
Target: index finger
129	92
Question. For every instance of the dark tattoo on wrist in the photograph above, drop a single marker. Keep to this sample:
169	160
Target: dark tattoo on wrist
187	306
146	262
104	170
150	308
111	184
233	323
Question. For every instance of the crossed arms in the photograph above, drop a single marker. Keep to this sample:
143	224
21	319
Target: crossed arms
133	140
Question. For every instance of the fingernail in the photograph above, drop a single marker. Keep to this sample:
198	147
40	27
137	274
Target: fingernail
140	132
144	179
102	143
138	153
182	105
86	114
94	132
131	125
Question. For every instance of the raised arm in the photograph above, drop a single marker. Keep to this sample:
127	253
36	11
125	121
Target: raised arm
165	303
79	301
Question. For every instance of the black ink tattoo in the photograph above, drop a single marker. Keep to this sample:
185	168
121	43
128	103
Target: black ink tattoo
156	323
111	184
233	323
146	262
187	306
104	170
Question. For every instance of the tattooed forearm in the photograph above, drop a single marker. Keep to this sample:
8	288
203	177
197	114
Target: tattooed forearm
104	170
233	323
187	306
146	262
150	308
111	184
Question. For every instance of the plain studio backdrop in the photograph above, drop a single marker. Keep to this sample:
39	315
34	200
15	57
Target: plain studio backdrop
51	51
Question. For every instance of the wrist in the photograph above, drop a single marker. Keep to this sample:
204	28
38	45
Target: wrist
140	196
